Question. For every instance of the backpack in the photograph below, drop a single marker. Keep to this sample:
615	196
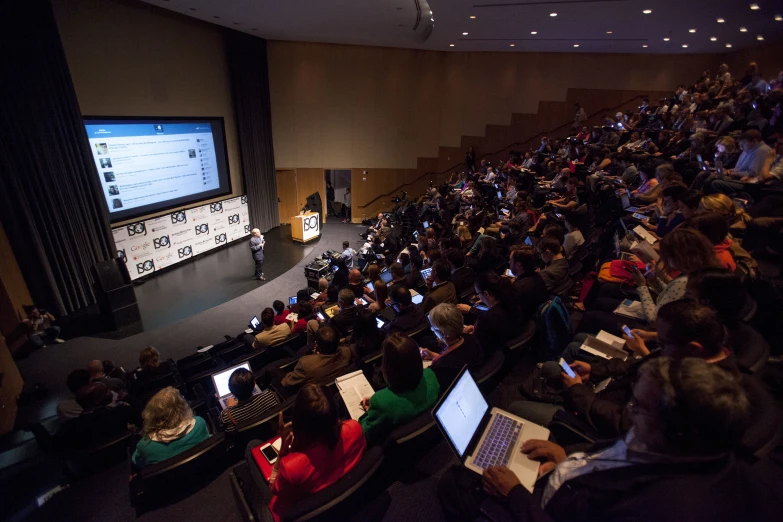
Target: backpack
553	330
537	388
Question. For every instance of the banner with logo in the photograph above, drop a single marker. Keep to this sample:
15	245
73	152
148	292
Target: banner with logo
153	244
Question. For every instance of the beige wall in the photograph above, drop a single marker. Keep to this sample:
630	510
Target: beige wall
338	106
128	58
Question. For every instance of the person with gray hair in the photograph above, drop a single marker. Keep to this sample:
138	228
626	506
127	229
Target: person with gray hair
453	349
257	248
343	320
688	418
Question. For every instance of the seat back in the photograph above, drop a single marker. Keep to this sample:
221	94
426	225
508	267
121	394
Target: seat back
145	390
174	478
196	366
765	430
553	329
527	335
204	378
328	498
412	436
261	428
750	348
98	456
490	370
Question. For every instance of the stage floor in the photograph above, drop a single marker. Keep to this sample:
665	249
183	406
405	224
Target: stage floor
213	279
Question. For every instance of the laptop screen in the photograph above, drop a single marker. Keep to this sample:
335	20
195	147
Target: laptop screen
460	412
254	322
386	276
426	272
221	379
417	299
426	224
500	195
370	286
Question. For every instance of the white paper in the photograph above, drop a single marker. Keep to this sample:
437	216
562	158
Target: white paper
634	309
611	340
207	348
354	387
593	351
641	232
315	295
426	363
645	251
292	317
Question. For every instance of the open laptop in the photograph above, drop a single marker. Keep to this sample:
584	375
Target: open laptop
220	380
255	324
385	276
482	438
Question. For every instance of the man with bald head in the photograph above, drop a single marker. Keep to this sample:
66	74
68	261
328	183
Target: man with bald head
96	375
355	283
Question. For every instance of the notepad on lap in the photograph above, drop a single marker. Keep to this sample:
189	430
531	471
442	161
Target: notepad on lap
641	232
354	387
631	308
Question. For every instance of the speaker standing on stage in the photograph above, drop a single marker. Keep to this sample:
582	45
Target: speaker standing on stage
257	247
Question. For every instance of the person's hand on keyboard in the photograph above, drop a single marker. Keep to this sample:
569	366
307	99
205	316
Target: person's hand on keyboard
231	402
548	452
498	481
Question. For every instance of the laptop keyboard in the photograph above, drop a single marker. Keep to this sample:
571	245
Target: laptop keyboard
498	446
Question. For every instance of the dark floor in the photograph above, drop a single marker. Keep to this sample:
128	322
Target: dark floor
215	278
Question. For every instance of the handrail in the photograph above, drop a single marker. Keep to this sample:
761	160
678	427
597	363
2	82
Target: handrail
515	144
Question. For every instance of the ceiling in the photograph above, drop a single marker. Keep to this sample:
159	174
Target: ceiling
604	26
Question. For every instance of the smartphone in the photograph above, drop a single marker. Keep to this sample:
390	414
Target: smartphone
379	322
269	453
627	331
640	217
321	316
509	273
370	286
528	241
559	216
482	307
567	369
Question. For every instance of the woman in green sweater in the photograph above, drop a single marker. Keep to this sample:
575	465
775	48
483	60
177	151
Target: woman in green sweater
412	390
169	428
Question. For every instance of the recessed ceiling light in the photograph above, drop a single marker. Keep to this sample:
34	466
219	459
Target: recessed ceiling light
608	32
691	30
666	39
743	30
713	39
728	45
552	14
464	34
645	45
533	32
472	17
720	20
754	7
576	45
778	18
451	45
647	11
512	45
760	38
684	46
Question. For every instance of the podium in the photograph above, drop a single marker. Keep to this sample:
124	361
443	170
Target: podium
306	227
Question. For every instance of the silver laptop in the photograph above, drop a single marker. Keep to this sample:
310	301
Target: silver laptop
220	380
482	438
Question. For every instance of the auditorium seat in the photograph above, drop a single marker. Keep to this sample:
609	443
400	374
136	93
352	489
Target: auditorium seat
99	456
262	428
487	375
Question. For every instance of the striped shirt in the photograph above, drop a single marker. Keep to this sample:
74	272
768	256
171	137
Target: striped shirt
250	409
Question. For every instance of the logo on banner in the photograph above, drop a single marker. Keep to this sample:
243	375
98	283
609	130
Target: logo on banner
178	217
161	242
233	219
216	207
220	238
135	229
311	223
247	229
143	246
121	255
202	229
184	251
243	200
146	266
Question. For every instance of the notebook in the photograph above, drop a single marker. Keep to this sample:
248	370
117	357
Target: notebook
354	387
632	309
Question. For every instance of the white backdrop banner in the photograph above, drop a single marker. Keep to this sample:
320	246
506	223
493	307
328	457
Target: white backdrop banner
147	246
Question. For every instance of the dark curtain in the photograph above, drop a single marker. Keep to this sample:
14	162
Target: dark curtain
51	203
250	89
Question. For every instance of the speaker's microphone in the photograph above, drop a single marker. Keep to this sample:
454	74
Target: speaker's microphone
550	370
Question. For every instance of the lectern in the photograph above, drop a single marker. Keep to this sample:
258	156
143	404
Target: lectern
306	227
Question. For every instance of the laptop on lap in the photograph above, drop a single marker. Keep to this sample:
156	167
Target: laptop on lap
220	380
483	438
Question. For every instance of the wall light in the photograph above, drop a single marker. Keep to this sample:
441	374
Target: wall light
533	32
464	34
666	39
684	46
691	30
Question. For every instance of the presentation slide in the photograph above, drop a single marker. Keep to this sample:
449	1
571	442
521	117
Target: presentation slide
148	165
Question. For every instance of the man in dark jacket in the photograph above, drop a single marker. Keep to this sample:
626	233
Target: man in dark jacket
441	290
529	287
330	199
461	275
343	320
409	316
687	415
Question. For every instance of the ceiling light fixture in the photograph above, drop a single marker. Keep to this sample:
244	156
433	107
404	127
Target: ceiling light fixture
647	11
451	45
720	20
666	39
608	32
754	7
576	45
728	45
552	14
533	32
743	29
645	45
691	30
472	17
713	39
760	38
464	34
778	18
511	45
684	46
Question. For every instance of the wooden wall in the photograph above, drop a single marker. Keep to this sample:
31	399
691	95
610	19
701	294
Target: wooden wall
14	294
293	187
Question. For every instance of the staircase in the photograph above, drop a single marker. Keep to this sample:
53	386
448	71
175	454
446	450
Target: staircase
554	118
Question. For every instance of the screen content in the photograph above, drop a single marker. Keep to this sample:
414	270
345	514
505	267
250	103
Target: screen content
148	165
461	412
221	379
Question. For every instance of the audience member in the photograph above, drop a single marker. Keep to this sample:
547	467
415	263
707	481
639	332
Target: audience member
455	349
343	320
280	312
271	333
529	287
366	336
555	275
496	314
96	375
69	408
440	288
328	359
244	405
408	317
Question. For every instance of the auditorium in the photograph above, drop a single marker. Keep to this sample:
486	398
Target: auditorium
250	252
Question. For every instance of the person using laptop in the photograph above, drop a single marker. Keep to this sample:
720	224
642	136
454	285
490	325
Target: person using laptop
327	360
280	312
688	417
243	405
411	390
271	333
